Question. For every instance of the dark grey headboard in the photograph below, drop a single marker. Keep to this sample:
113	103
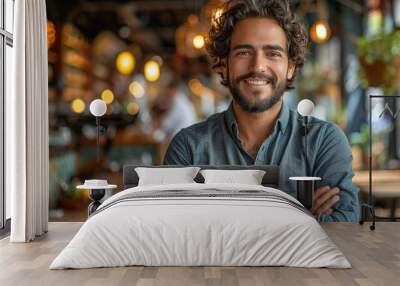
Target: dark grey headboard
271	177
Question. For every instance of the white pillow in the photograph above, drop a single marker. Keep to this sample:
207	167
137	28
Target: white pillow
165	176
248	177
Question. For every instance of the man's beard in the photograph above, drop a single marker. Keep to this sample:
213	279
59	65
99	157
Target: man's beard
258	105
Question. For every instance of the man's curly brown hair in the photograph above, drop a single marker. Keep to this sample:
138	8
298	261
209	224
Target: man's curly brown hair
218	40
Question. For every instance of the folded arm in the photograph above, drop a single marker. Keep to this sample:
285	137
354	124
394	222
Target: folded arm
339	200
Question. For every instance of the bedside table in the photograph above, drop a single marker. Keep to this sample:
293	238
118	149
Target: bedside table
97	190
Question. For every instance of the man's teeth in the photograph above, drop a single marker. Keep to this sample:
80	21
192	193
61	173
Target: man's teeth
257	81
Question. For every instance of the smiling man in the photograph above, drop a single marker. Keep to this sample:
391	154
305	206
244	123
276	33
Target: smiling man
257	48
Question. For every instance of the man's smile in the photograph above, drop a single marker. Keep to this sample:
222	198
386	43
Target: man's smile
257	81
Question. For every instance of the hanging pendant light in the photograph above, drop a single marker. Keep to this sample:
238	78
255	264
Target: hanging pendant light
190	38
320	32
125	62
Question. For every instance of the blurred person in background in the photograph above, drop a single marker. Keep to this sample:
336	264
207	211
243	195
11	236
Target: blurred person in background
173	110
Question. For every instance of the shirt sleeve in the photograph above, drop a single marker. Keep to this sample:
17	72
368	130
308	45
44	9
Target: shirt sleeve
333	165
178	150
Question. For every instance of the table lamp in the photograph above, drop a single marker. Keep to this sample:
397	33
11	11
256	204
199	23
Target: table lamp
98	108
97	188
305	108
305	185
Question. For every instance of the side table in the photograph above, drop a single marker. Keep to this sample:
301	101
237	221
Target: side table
97	190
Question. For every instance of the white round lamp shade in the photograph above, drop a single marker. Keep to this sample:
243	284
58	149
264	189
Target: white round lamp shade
98	107
305	107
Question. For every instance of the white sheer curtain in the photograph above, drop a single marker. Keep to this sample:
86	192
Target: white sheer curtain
27	153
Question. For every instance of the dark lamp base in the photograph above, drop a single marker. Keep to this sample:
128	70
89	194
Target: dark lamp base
95	195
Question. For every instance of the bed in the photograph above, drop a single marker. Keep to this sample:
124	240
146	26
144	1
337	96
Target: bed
201	224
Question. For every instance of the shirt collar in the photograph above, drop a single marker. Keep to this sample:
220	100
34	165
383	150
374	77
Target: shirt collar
282	121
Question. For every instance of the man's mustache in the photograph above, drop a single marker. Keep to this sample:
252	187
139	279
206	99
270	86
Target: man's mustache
271	78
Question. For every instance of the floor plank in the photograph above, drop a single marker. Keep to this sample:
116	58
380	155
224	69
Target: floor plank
375	257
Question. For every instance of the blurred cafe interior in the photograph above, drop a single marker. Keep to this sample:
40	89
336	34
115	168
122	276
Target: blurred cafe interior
147	61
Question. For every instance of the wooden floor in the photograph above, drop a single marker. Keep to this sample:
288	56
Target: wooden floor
375	256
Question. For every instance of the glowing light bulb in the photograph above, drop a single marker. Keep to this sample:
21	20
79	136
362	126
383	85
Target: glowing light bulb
78	105
107	96
320	32
125	63
198	41
151	70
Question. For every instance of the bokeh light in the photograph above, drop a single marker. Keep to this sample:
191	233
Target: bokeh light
198	41
152	70
78	105
107	96
192	19
136	89
125	63
51	34
132	108
320	32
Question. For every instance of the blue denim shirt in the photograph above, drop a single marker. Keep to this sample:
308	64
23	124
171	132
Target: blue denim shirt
216	142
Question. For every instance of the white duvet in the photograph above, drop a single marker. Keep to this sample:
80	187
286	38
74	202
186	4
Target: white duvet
188	231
